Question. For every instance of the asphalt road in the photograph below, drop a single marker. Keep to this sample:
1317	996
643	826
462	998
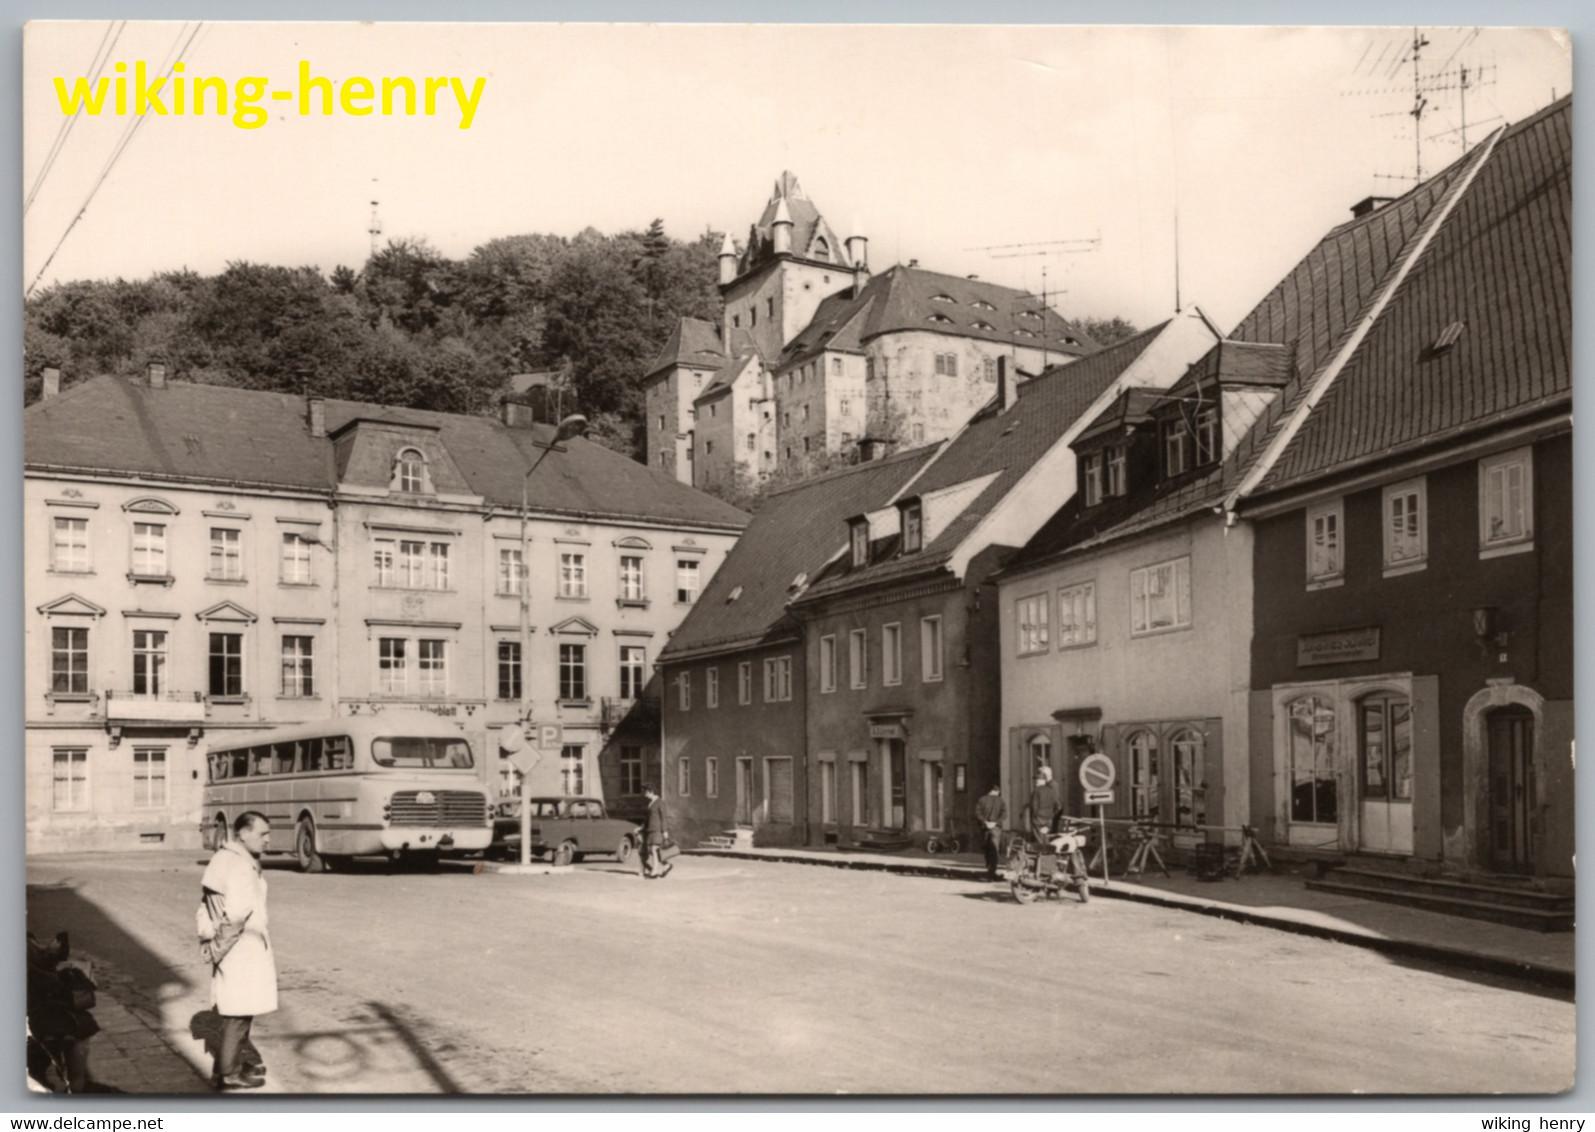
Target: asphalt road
736	976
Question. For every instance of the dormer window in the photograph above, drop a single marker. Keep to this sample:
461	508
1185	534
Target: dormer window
942	299
822	250
858	535
982	305
410	471
1176	447
938	318
913	527
1207	435
1091	474
982	324
1117	483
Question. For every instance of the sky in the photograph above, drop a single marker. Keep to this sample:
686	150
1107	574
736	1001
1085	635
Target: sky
1076	147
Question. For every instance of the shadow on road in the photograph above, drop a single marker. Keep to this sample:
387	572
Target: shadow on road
52	907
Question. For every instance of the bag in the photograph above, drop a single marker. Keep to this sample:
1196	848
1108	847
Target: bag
223	932
668	849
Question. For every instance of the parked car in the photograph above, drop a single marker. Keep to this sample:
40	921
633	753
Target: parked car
570	828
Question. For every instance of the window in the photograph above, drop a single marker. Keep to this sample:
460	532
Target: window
149	778
1324	561
1406	536
686	581
226	555
572	764
858	541
751	442
390	665
836	366
411	471
711	777
572	574
509	670
411	564
70	551
661	422
913	527
1091	473
1384	734
807	442
711	688
745	682
1145	796
226	664
71	779
769	307
631	588
708	445
1506	502
859	775
1206	435
382	554
805	412
684	777
891	654
1030	614
1040	748
298	667
1176	447
149	549
827	793
777	679
1160	597
930	649
869	369
1311	760
1190	781
988	366
293	567
1117	481
631	671
947	364
431	665
631	770
149	662
510	570
858	658
1077	615
828	664
573	672
69	661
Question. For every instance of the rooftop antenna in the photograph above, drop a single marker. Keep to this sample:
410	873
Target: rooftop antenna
1042	248
376	221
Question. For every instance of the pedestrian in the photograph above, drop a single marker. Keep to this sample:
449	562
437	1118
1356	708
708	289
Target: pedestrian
992	813
1043	809
653	836
232	925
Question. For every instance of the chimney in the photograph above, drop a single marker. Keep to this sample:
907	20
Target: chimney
52	382
1007	391
316	416
155	374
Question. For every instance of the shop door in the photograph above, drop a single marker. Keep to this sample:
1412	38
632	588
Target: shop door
744	792
895	787
1385	774
1510	733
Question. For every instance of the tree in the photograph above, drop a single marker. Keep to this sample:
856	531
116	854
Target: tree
1107	331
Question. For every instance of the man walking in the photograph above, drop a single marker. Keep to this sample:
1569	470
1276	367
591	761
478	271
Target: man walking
992	813
653	836
233	935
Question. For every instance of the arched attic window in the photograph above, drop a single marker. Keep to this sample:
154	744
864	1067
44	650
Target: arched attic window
821	249
409	471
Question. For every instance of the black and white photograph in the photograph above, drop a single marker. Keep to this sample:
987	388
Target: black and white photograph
792	560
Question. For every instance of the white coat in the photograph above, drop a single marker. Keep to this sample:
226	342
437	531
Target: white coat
245	983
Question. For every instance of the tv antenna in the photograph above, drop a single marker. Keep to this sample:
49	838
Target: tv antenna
1042	249
375	228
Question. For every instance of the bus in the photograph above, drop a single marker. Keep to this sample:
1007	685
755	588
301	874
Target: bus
399	783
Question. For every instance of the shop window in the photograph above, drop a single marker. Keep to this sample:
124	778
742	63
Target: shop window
1311	761
1190	782
1384	734
1145	781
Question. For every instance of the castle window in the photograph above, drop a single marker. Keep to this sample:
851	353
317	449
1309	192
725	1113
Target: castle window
982	324
942	299
947	365
982	305
822	250
410	471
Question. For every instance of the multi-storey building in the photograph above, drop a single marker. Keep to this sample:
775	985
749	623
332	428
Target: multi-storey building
211	559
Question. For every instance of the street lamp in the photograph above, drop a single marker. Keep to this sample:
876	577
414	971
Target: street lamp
573	425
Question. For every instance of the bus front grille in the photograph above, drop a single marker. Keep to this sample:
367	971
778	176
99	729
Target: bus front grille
446	807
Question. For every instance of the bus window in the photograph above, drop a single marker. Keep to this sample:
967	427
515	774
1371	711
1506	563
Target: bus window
338	755
285	763
241	763
312	749
216	766
423	752
260	759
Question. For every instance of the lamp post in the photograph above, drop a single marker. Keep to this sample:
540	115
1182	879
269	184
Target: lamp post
573	425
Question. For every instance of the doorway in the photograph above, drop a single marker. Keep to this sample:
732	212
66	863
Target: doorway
744	814
1384	773
1509	736
894	795
934	800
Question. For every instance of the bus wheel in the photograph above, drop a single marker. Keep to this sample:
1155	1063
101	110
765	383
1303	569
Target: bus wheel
309	860
219	836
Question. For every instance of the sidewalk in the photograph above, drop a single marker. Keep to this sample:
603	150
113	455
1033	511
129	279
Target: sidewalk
129	1055
1281	901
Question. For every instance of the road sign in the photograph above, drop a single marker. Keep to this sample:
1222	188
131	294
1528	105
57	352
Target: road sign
1099	797
525	760
1097	772
550	736
512	738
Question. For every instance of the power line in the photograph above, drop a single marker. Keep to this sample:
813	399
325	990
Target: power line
96	65
116	153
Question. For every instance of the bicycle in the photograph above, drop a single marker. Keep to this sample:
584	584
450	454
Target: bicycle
947	841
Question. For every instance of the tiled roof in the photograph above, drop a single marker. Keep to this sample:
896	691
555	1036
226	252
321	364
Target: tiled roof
806	224
693	342
1004	444
223	435
797	532
1129	408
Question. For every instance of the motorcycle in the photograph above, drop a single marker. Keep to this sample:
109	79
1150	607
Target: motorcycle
1051	869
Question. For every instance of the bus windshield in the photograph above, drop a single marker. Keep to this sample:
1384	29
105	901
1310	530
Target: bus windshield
426	753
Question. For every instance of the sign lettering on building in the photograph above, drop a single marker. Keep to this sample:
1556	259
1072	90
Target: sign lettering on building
1338	647
886	731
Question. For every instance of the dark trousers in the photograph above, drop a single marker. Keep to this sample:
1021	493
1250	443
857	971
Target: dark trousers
988	846
237	1052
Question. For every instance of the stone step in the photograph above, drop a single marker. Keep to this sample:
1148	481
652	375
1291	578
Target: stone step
1516	896
718	841
1535	919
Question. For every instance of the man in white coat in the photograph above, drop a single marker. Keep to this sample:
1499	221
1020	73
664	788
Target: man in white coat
244	978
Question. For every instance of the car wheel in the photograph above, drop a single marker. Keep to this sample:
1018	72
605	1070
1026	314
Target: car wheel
565	854
310	861
624	850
